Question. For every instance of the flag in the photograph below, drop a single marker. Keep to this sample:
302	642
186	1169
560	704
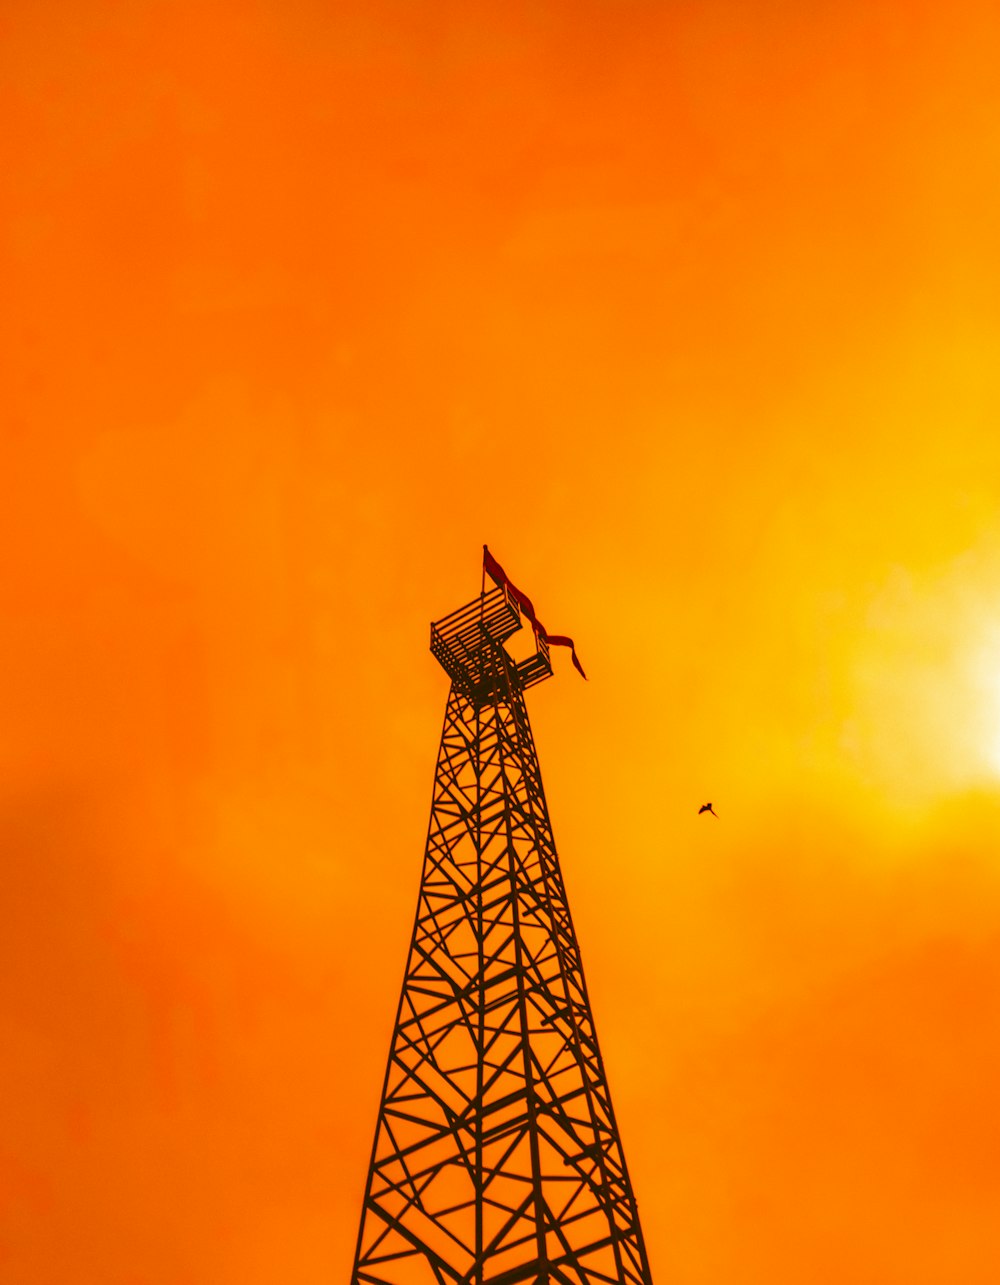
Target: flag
500	577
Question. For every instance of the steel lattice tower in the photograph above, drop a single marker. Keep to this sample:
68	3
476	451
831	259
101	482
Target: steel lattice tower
497	1157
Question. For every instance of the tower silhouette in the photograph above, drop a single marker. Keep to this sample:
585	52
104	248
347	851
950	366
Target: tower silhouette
497	1157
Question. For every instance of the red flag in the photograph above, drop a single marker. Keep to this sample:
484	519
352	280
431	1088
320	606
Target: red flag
500	577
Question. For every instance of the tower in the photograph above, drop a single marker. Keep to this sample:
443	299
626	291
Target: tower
497	1157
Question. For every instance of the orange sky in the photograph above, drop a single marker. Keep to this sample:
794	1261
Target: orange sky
691	311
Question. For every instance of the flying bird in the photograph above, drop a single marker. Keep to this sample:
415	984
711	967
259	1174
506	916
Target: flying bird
707	807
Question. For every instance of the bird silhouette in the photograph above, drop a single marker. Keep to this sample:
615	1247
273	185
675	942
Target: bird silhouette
707	807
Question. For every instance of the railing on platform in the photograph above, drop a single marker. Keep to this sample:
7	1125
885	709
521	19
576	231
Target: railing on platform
464	643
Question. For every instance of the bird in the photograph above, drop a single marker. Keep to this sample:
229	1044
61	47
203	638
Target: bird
707	807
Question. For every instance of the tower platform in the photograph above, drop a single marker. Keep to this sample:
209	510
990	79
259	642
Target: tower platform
468	643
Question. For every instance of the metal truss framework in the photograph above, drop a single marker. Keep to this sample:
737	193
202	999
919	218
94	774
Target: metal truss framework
497	1158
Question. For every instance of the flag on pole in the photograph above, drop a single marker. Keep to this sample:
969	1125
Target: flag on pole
500	577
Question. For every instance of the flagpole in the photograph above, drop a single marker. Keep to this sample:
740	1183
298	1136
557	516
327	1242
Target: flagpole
482	599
